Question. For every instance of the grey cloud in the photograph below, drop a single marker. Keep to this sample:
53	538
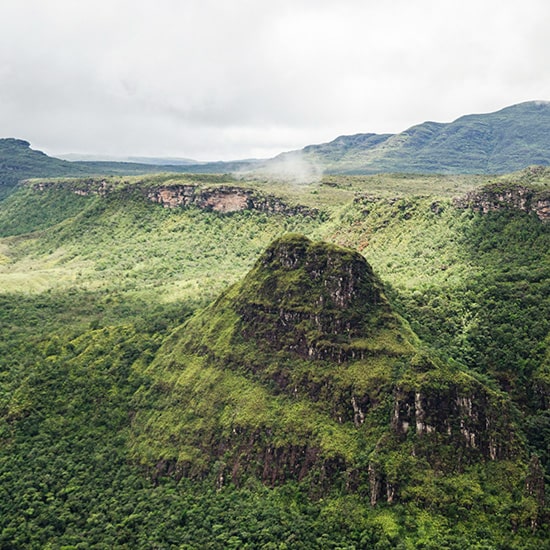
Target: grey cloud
213	79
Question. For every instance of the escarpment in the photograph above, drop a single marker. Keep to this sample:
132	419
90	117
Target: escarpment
223	199
303	371
499	196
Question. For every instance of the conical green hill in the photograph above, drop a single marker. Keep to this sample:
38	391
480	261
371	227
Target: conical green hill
302	370
306	300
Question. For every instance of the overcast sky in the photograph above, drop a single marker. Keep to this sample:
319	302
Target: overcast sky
226	79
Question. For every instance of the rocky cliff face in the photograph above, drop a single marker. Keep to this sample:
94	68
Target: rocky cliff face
464	416
298	369
223	199
505	196
312	299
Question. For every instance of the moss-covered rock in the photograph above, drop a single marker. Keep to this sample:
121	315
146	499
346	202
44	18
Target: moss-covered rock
302	370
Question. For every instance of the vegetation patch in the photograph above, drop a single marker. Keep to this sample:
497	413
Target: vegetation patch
142	401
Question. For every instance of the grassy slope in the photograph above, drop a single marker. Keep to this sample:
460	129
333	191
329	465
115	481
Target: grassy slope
116	262
499	142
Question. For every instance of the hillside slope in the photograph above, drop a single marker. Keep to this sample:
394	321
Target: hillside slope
507	140
121	372
18	161
298	369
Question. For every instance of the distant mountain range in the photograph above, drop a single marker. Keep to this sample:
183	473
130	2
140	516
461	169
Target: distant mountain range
500	142
19	161
504	141
157	161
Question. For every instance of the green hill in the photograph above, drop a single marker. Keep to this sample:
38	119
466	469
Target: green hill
302	371
169	378
507	140
18	161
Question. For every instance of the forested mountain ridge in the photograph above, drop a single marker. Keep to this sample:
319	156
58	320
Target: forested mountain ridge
507	140
148	383
493	143
18	161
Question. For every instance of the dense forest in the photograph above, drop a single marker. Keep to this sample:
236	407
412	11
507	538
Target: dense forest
141	388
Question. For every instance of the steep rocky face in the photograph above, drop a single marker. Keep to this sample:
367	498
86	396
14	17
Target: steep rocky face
504	196
303	371
223	199
312	299
457	413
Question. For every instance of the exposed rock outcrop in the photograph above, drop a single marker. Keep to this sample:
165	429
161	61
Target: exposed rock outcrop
456	413
499	196
313	299
224	199
297	370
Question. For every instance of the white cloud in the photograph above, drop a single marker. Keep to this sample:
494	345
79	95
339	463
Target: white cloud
213	79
